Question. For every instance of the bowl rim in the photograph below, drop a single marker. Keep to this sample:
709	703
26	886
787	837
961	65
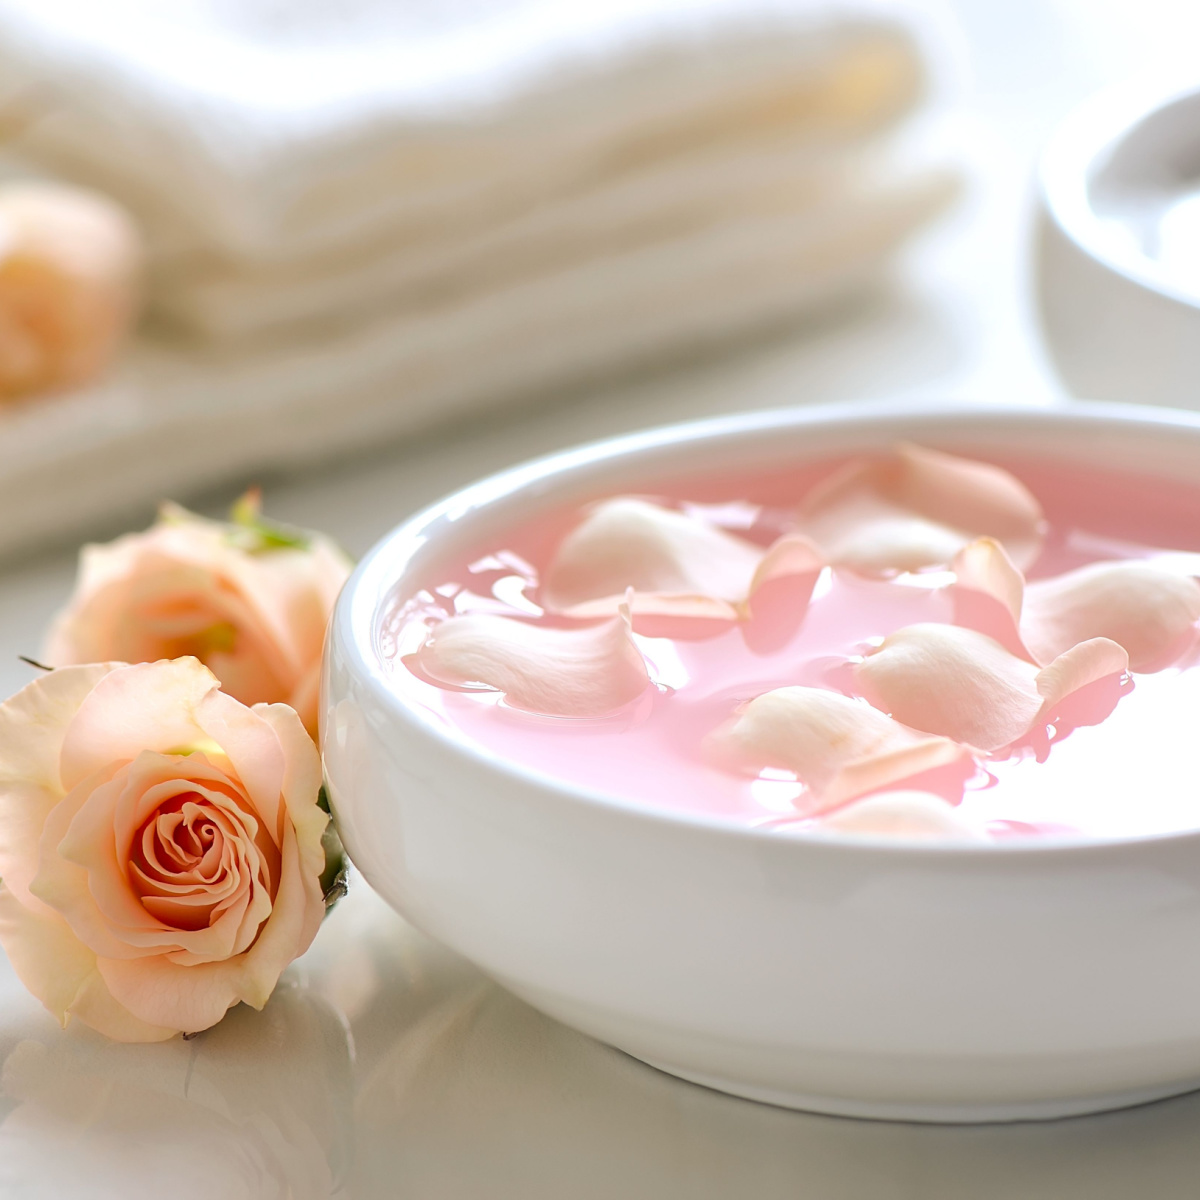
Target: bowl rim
1070	156
379	571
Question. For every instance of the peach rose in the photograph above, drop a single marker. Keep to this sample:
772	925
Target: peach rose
160	846
70	279
248	599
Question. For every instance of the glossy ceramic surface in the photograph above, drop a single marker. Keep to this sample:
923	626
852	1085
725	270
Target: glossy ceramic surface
1118	260
935	982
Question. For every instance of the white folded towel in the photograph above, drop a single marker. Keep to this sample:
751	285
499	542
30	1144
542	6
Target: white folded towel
367	216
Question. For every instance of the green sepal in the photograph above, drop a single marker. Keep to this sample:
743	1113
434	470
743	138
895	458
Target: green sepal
254	534
335	876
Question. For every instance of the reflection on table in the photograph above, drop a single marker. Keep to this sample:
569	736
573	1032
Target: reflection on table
386	1066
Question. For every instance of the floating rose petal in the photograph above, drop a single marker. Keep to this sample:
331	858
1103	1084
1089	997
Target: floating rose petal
1150	611
780	592
1084	664
989	593
915	508
920	816
838	748
964	685
954	682
630	543
688	578
558	672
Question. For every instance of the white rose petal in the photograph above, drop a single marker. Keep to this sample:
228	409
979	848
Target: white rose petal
584	672
914	508
838	748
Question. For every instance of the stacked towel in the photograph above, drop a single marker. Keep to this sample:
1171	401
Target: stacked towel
367	215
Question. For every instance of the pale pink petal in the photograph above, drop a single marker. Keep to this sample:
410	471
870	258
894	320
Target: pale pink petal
914	508
294	922
62	885
63	974
1082	665
34	722
837	747
302	779
1150	611
66	886
190	997
988	594
653	614
148	706
954	682
100	566
629	543
32	726
915	816
780	591
560	672
185	586
306	698
194	997
24	809
252	748
111	917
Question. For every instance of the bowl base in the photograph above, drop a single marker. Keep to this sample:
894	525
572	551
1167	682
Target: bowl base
930	1114
654	1045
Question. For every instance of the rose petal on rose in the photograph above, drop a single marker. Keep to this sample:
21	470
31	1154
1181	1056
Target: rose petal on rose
197	996
148	706
32	724
630	543
253	750
559	672
916	816
954	682
988	594
64	974
913	508
87	879
189	586
1149	610
837	747
302	778
295	920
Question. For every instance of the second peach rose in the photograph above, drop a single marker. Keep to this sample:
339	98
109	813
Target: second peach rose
248	600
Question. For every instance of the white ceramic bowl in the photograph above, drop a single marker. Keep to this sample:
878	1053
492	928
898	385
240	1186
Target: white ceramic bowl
1021	979
1118	248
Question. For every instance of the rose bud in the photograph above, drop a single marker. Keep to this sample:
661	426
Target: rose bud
160	846
70	269
250	600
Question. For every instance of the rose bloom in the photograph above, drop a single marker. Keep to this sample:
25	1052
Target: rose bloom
70	278
249	600
160	846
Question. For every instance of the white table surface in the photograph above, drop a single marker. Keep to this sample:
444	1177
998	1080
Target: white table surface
385	1066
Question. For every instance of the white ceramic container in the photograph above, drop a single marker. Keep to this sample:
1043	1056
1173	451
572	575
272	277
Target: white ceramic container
1118	246
940	982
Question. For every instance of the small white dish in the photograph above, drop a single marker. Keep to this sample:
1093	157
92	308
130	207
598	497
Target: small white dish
1118	253
925	981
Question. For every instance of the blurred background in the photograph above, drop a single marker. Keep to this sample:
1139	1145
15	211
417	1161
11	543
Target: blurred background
363	252
453	235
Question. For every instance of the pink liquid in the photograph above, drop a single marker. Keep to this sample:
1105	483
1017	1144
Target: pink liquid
1136	773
